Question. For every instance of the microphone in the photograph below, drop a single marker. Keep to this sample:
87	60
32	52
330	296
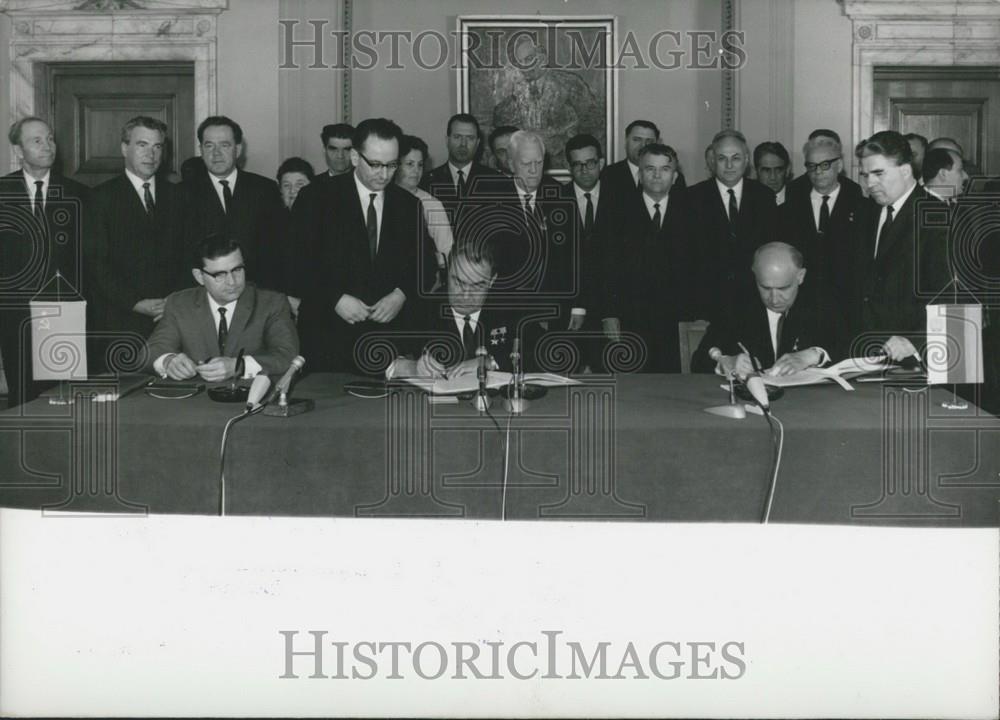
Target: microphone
755	384
482	400
257	391
728	367
286	380
515	361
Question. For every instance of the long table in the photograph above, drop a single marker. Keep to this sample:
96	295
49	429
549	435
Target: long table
627	448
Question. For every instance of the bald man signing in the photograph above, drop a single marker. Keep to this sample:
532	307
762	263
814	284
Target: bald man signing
783	332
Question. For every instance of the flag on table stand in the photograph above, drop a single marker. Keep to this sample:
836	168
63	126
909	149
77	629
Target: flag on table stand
954	344
59	333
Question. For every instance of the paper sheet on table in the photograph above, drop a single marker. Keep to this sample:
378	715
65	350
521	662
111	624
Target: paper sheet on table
494	379
851	367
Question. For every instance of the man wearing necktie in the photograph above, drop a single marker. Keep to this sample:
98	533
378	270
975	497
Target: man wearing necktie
902	262
646	265
782	331
466	188
39	237
586	162
732	215
362	272
134	249
823	220
229	200
452	332
204	328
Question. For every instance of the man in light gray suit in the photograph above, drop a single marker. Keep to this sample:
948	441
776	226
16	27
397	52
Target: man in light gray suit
204	328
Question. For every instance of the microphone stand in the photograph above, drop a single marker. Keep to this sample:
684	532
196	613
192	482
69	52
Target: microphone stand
482	399
516	403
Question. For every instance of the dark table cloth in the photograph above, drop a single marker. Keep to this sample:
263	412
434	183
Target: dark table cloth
633	448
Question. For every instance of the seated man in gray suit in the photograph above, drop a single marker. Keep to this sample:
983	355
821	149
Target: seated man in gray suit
204	328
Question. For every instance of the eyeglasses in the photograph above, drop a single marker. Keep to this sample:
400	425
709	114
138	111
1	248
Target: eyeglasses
236	273
585	165
822	166
376	166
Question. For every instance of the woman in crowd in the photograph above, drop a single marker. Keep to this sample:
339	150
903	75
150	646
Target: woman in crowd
412	156
293	175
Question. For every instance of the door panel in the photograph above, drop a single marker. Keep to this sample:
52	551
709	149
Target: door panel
90	103
961	103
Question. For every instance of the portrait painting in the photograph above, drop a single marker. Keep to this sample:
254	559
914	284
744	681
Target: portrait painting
548	74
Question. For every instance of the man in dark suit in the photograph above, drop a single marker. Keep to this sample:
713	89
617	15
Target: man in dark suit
205	328
801	183
134	244
586	162
902	261
234	202
539	260
824	223
731	217
646	262
363	261
622	178
784	332
453	331
41	236
468	190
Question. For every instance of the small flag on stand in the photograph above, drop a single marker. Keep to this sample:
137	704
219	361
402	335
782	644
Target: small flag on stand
954	344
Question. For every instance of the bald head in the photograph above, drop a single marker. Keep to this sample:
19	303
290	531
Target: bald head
778	269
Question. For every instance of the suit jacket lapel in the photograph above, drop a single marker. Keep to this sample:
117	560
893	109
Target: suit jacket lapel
206	324
241	316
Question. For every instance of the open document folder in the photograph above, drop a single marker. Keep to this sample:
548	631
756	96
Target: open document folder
494	379
849	368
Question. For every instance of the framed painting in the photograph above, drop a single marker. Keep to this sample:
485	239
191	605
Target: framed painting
554	75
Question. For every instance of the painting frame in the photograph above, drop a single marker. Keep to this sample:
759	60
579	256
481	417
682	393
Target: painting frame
496	89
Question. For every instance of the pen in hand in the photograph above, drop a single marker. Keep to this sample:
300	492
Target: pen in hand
753	360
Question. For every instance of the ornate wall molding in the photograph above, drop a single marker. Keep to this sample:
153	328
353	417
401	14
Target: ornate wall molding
730	78
111	31
915	32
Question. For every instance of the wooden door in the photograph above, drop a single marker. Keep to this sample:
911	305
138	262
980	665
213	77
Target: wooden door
958	102
90	102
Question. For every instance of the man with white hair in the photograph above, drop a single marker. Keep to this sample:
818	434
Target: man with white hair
732	216
539	258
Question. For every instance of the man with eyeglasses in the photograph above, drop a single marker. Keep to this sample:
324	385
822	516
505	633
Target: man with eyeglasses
823	224
204	329
363	264
453	331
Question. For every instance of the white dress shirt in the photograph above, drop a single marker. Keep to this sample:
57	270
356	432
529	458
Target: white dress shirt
724	194
581	201
651	210
895	214
217	184
364	195
29	183
137	183
816	198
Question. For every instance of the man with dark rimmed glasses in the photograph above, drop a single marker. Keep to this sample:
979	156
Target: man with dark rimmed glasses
365	258
205	329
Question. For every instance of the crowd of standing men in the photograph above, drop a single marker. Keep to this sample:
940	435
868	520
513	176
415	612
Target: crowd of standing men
364	256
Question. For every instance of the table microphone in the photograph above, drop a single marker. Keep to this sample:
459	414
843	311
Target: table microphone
257	391
482	400
281	389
